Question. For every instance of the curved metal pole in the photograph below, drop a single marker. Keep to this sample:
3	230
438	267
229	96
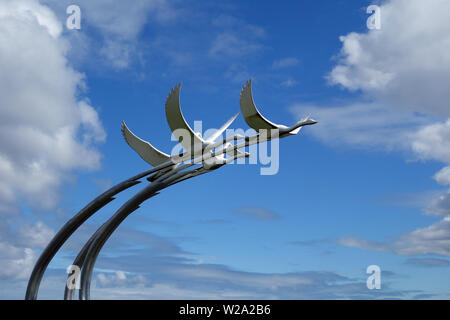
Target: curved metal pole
69	293
87	256
99	239
69	228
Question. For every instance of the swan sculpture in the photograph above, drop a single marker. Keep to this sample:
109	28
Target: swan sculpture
207	154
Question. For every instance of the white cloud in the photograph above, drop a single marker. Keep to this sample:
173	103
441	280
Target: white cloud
289	83
18	239
354	242
15	262
119	24
40	115
31	12
146	271
236	38
237	74
363	125
228	44
433	239
406	62
443	176
440	205
258	213
428	262
433	142
118	18
285	63
402	71
45	130
119	279
17	244
118	53
178	281
36	235
234	41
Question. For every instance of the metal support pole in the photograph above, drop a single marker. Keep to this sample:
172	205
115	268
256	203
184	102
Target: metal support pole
99	239
69	228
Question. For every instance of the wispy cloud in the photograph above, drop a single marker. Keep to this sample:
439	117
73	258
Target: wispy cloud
285	63
364	125
213	221
440	205
180	279
289	83
310	243
118	25
141	265
443	176
232	45
433	239
236	38
258	213
428	262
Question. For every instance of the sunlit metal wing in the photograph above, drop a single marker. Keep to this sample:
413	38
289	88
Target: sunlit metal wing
176	120
147	152
219	132
251	114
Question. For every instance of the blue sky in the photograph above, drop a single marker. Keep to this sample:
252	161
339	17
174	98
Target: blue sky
367	185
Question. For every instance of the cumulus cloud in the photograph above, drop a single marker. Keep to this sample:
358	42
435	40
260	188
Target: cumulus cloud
41	116
402	70
31	12
47	128
17	256
405	63
400	74
15	262
443	176
433	142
